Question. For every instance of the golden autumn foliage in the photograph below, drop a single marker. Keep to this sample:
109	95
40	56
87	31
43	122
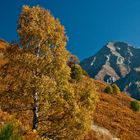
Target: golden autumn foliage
3	46
38	26
10	127
19	131
36	85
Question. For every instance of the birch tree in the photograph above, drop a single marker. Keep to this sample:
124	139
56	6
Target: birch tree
40	32
38	78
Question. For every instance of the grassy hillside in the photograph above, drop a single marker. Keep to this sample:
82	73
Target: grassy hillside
114	113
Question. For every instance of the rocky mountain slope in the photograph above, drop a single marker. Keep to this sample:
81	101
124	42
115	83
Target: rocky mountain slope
116	62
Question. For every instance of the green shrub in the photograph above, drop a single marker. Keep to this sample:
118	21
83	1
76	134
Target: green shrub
7	133
76	72
109	90
112	89
116	89
135	105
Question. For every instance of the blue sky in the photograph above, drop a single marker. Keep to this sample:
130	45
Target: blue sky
89	24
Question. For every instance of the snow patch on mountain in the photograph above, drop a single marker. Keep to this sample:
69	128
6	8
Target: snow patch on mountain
93	61
108	57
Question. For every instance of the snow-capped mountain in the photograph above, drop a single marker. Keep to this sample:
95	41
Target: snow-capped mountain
116	62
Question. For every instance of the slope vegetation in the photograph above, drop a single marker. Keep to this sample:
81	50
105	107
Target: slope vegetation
114	113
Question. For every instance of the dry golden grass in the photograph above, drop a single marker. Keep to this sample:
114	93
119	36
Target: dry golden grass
23	130
114	113
93	135
100	85
3	44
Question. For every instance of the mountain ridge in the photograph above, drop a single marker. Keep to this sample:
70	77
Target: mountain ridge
112	62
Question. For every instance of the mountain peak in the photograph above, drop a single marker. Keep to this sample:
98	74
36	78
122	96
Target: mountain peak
117	45
113	62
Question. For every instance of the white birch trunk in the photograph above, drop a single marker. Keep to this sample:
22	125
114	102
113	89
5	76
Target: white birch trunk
36	98
35	111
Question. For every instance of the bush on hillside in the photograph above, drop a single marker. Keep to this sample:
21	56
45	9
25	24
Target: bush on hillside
135	105
76	72
109	90
7	133
112	89
116	89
